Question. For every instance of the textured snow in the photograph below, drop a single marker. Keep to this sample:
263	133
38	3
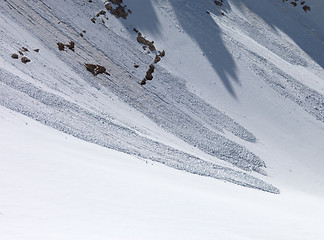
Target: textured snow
55	186
167	102
239	97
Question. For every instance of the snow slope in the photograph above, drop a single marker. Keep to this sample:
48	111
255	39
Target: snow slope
54	186
238	97
75	102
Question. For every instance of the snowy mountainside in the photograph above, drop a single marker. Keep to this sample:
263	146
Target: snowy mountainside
54	186
238	96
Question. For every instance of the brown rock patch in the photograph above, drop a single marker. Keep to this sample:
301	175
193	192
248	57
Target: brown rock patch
25	60
96	69
14	56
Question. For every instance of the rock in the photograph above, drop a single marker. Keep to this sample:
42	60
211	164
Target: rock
25	60
60	46
14	56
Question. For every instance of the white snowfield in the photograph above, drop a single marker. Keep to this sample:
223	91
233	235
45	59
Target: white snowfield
235	106
54	186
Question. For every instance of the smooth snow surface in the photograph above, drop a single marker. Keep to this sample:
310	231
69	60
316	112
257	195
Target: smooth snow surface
238	98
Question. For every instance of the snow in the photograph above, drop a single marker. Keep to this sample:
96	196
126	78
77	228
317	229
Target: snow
55	186
235	106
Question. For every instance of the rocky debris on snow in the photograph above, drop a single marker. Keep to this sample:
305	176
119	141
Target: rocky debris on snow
60	46
306	8
14	56
157	59
117	2
70	45
159	56
219	3
25	60
162	54
144	41
119	11
149	44
83	31
101	12
98	15
136	66
96	69
21	53
149	74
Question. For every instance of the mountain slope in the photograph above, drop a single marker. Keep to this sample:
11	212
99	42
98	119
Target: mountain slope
238	97
232	96
55	186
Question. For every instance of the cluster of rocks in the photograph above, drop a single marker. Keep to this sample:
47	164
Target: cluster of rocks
158	56
98	15
96	69
81	34
142	40
70	45
21	53
306	8
219	3
149	74
118	11
115	7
